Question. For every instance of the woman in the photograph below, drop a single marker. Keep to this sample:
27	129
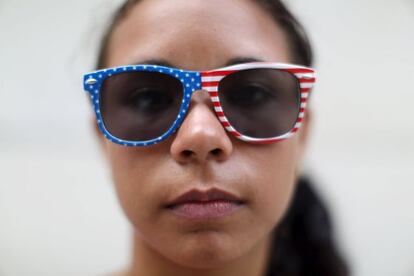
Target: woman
205	160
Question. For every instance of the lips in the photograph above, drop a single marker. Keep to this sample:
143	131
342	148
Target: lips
196	205
199	196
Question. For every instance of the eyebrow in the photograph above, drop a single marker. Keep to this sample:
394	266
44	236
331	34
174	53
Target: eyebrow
233	61
239	60
160	62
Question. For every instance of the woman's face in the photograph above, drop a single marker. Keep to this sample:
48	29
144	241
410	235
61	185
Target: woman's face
202	35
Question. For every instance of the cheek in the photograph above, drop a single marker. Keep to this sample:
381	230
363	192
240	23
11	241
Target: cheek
133	173
275	172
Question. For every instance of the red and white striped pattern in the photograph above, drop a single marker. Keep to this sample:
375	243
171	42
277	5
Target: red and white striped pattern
210	81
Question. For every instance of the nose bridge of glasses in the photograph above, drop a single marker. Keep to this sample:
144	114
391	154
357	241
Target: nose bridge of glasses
207	89
210	83
201	92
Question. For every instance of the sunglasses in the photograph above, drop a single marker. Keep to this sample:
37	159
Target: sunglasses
141	105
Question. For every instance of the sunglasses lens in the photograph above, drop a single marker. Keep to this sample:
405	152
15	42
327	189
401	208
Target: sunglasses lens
140	106
260	103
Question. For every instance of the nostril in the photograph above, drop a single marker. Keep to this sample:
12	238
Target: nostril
216	152
187	153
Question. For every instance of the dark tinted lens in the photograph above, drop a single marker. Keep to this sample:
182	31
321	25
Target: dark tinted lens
260	103
140	106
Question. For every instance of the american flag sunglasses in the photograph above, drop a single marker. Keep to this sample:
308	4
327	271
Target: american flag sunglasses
257	102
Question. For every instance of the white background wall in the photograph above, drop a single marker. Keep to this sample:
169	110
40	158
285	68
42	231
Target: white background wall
58	211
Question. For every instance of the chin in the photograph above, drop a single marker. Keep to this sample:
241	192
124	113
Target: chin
206	250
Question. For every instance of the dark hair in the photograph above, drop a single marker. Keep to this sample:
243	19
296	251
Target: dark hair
303	242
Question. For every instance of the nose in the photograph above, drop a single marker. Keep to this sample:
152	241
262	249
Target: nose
201	136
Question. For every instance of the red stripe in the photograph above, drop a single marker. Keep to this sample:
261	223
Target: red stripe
210	83
299	70
295	130
226	124
220	114
300	120
213	94
303	100
217	73
235	133
303	80
302	110
264	142
305	90
216	104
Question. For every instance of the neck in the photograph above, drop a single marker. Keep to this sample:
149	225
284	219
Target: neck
147	262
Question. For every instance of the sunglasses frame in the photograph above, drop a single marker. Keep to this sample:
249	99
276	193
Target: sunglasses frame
193	81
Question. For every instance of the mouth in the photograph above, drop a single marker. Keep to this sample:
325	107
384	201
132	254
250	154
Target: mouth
200	205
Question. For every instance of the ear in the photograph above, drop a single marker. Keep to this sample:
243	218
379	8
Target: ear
304	134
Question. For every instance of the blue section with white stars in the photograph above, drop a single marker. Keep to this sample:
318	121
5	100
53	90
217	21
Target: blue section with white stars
190	80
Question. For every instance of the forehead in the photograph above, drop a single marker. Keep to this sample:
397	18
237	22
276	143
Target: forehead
196	34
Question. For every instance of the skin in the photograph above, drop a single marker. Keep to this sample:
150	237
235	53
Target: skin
201	154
